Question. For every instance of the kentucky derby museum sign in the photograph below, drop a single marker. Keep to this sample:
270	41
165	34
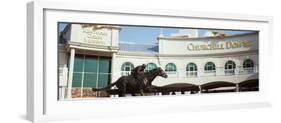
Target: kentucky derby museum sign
91	36
101	35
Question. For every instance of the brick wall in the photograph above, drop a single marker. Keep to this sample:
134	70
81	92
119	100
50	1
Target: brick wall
87	92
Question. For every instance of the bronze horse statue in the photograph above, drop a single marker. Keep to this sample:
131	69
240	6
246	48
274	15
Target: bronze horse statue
128	84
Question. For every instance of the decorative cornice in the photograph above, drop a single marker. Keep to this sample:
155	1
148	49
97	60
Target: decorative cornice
86	46
183	38
150	54
99	26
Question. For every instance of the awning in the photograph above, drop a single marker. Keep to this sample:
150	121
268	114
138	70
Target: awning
217	84
249	83
178	87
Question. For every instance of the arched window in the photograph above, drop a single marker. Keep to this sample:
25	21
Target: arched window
170	67
191	67
150	66
248	63
191	70
126	68
248	66
229	68
210	67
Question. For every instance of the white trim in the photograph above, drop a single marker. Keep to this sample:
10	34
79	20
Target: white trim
112	67
154	54
82	79
89	6
70	73
36	60
30	102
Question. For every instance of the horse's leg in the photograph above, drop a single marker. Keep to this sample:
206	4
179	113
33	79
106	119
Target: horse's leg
139	87
121	94
152	90
123	90
141	92
133	94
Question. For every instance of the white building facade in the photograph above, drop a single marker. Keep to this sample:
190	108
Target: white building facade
92	57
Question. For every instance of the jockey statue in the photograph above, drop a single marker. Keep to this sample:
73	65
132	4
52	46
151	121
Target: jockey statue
138	74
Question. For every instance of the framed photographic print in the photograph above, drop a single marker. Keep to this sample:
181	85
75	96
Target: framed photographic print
96	61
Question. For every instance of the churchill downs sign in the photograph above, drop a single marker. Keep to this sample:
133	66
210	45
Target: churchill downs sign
219	46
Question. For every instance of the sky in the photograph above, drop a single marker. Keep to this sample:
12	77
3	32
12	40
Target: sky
148	35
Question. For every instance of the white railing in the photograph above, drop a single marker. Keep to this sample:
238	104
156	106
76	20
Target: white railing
125	73
248	70
209	72
172	73
229	72
191	73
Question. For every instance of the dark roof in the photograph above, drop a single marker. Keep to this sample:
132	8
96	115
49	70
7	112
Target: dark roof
217	84
138	47
249	83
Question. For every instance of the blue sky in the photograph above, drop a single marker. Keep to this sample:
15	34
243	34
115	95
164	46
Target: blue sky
145	35
148	35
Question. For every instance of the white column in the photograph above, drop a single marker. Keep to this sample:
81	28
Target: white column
200	89
237	87
113	72
256	69
63	92
236	71
70	73
200	72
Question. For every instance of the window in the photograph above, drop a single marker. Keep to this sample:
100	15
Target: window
126	68
248	63
229	68
248	66
91	71
191	70
150	66
210	67
170	67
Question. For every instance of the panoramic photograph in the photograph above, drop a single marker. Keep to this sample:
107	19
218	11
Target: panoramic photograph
116	61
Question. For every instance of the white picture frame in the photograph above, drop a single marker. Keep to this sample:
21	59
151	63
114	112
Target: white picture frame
42	104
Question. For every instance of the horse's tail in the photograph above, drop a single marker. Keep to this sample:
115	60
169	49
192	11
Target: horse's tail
105	88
